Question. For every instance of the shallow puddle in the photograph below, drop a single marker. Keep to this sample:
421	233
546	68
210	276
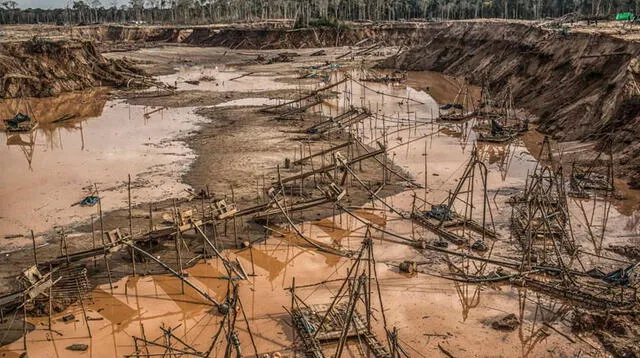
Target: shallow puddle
249	102
98	142
222	78
431	313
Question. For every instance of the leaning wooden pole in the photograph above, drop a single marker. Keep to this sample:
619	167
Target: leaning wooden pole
293	326
218	254
133	254
84	311
175	273
352	269
106	259
35	255
355	296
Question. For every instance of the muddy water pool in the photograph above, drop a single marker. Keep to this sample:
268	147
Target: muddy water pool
83	140
57	165
431	313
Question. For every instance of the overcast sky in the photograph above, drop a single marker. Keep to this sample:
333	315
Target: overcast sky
51	4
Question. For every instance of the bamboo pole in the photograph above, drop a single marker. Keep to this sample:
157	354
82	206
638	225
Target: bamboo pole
293	326
172	271
84	312
24	325
106	259
133	253
235	227
177	241
93	240
35	255
50	301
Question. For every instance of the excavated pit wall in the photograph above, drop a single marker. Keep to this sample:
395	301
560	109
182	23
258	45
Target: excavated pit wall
582	86
43	68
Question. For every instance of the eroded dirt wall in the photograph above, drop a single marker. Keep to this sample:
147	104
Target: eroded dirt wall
582	86
40	68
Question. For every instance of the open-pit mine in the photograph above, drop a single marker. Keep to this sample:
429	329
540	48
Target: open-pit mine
396	189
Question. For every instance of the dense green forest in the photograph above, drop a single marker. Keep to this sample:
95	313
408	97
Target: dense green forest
218	11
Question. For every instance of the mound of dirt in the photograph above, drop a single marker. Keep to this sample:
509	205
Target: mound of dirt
618	332
506	323
581	86
630	251
39	68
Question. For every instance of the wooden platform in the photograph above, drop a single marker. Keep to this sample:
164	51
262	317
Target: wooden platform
456	221
307	319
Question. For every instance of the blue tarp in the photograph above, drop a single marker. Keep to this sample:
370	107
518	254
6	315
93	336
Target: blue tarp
89	200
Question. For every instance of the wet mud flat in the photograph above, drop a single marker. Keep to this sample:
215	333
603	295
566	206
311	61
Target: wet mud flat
433	314
142	120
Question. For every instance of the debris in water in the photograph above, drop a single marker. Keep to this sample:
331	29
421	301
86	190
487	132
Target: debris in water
507	323
409	267
78	347
479	246
68	318
90	200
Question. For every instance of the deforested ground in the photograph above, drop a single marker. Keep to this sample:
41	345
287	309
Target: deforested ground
192	114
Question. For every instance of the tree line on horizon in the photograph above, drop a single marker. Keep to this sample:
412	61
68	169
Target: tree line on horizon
306	12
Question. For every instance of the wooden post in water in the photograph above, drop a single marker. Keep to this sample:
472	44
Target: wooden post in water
146	262
426	180
35	255
93	240
394	342
293	326
178	240
50	299
205	254
84	312
257	191
24	325
384	142
235	228
64	245
106	259
144	337
225	221
253	267
133	253
301	171
215	234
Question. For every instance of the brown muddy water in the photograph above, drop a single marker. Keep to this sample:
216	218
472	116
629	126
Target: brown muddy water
432	314
83	140
57	165
223	78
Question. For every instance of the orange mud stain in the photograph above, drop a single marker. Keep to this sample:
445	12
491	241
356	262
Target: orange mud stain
379	220
263	261
336	233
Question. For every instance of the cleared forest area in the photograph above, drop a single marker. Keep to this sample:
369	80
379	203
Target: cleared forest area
338	182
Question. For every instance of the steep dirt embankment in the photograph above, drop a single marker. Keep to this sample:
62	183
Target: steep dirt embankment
582	86
40	68
391	34
246	36
118	34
